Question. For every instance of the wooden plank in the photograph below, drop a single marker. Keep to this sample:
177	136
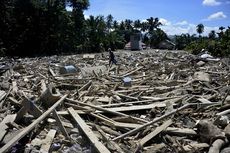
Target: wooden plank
120	109
30	107
14	101
203	100
86	86
3	126
31	126
155	132
180	131
46	143
2	94
195	146
162	117
107	139
68	125
88	132
60	125
105	110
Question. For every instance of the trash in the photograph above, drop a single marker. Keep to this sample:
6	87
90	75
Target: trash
127	81
70	69
76	148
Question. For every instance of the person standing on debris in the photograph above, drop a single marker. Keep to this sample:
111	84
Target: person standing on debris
112	59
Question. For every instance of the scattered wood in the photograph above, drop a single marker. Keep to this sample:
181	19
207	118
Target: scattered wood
46	143
31	126
165	84
154	133
89	133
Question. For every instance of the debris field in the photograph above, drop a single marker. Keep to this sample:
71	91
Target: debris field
153	101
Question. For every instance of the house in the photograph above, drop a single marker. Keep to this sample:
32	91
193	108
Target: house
166	44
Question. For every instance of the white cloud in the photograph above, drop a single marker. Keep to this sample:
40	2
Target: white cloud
178	29
182	23
86	16
164	21
68	8
215	16
211	3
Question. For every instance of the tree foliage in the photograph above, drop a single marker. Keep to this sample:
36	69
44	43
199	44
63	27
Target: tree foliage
45	27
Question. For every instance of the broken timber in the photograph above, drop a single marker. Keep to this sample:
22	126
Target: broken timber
31	126
88	132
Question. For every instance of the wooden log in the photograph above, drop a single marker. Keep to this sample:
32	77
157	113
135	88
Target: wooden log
154	133
31	126
160	118
88	132
47	142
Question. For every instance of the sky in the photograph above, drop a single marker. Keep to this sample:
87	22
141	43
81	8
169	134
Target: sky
177	16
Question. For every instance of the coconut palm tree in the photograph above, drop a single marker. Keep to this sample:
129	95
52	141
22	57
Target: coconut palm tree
200	29
128	24
137	24
109	21
115	25
221	28
212	34
153	24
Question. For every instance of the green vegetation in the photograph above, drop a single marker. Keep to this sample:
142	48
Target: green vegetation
218	44
45	27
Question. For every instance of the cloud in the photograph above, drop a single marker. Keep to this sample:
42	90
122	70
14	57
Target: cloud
211	3
182	28
86	16
68	8
164	21
216	16
182	23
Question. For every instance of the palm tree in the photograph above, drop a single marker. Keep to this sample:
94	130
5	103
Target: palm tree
153	23
221	33
122	25
115	25
128	24
109	21
137	24
200	29
212	34
221	28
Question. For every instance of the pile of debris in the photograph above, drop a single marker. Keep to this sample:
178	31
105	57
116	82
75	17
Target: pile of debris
151	102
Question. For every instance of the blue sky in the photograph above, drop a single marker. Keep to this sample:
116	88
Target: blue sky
178	16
